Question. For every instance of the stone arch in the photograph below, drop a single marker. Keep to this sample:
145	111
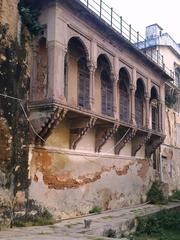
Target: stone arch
124	94
140	102
105	58
78	57
154	93
5	145
78	40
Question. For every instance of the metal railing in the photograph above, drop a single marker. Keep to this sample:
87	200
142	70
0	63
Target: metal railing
114	20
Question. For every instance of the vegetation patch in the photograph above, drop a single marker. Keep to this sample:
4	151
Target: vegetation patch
40	219
175	196
164	225
29	15
155	194
95	209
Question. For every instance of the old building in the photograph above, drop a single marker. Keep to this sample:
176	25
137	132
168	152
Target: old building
97	103
97	111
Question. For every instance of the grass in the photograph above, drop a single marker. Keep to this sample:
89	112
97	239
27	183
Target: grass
165	235
175	196
41	219
37	222
95	209
164	225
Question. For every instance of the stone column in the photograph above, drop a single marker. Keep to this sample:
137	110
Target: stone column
56	54
92	70
161	121
132	98
162	108
115	105
116	87
147	98
132	111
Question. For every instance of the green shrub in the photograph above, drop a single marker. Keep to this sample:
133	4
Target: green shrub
155	194
95	209
175	196
159	222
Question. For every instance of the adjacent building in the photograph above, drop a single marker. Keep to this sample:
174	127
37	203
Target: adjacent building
157	41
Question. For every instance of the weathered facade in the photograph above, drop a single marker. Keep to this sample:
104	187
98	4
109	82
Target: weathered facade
14	127
168	165
98	105
97	115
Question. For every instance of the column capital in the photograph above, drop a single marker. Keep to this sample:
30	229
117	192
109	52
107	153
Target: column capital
132	87
92	66
147	96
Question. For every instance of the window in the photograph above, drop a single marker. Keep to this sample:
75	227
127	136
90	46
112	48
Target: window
106	94
124	95
66	76
83	85
154	109
139	103
177	77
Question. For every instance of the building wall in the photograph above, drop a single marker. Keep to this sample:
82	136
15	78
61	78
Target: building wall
70	183
169	57
170	151
9	14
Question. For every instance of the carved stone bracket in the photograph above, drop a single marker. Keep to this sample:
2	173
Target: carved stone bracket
153	144
49	124
123	138
103	134
139	141
77	133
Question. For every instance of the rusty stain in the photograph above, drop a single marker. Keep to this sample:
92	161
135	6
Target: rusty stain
142	172
5	143
124	170
42	162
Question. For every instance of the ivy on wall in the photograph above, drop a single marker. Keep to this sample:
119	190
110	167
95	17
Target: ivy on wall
170	100
14	83
29	15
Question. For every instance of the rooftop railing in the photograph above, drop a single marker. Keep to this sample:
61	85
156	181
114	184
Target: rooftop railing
114	20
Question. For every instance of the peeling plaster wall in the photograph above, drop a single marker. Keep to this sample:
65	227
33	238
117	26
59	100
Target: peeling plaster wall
5	160
69	183
171	151
9	14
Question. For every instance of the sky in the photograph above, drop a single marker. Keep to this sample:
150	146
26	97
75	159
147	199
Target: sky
141	13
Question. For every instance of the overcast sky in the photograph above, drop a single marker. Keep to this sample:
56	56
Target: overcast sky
141	13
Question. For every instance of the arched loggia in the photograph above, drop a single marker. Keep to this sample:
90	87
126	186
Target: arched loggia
78	54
